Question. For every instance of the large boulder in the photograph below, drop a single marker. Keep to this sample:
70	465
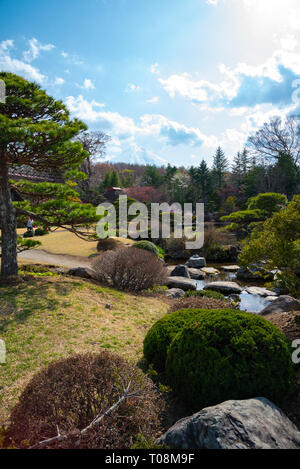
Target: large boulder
282	304
196	262
180	271
181	282
196	274
248	424
260	291
82	272
175	293
224	287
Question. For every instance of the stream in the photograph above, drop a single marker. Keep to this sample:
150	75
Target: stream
250	303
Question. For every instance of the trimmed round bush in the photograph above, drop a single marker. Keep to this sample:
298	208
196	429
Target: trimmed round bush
205	293
108	244
28	234
161	334
40	232
72	392
229	355
147	245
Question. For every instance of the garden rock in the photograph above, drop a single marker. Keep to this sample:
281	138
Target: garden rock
175	293
181	282
82	272
224	287
282	304
196	274
230	268
196	262
260	291
247	424
210	271
180	271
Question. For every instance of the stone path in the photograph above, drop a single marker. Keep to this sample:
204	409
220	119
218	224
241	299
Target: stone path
63	260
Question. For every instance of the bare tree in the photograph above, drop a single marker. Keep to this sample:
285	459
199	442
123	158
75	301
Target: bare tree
275	137
94	143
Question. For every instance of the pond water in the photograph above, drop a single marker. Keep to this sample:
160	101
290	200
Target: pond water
250	303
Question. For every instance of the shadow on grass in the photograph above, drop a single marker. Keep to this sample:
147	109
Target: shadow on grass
19	302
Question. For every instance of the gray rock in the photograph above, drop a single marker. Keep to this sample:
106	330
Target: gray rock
230	268
223	287
182	283
196	274
175	293
180	271
248	424
260	291
82	272
282	304
196	262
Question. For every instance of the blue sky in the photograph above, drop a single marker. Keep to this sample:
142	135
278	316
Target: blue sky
169	80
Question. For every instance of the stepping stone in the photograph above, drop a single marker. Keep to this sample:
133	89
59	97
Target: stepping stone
230	268
182	283
260	291
224	287
210	271
196	274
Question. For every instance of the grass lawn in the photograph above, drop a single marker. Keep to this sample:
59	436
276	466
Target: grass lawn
46	318
64	242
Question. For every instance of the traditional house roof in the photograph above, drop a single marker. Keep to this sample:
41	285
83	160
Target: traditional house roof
30	174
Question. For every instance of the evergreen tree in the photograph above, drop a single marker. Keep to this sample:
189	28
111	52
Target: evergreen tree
115	180
152	177
220	165
36	131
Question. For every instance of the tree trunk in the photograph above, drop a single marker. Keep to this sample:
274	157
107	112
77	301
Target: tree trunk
9	264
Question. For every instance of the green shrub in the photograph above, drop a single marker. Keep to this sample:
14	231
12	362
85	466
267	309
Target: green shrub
147	246
40	232
229	355
28	234
202	293
162	333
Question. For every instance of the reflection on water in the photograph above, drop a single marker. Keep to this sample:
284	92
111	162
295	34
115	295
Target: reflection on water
251	303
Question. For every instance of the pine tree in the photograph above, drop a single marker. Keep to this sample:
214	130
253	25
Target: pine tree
36	131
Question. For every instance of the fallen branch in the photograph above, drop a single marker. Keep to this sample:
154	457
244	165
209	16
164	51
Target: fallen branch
127	395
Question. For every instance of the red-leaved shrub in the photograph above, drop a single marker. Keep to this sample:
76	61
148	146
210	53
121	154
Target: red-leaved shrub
130	269
70	393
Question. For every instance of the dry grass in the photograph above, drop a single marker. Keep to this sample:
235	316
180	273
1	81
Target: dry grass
46	318
64	242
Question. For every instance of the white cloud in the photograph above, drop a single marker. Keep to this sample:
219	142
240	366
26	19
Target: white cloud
153	100
83	109
131	88
59	81
16	66
5	45
154	69
212	2
35	47
88	85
